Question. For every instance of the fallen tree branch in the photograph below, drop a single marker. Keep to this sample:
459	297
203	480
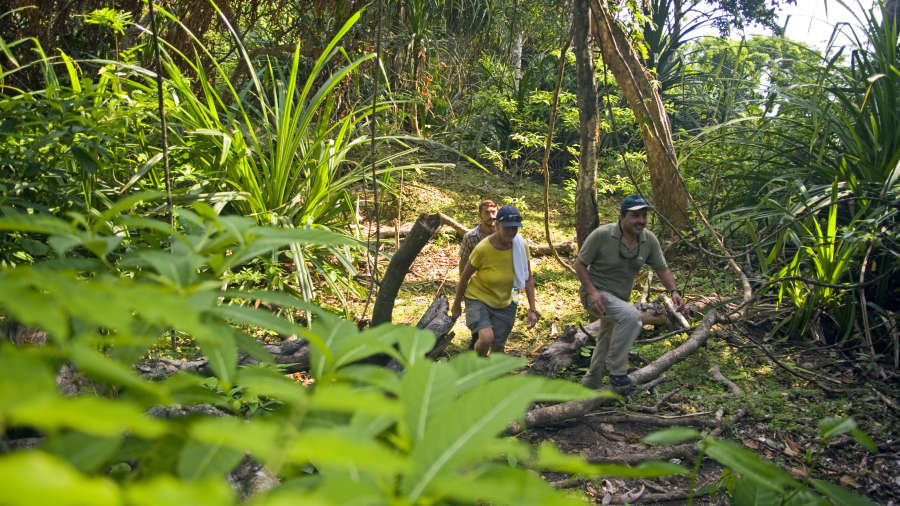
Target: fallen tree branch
716	373
670	307
697	419
556	413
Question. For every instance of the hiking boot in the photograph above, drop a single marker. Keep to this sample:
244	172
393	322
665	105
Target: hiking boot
619	380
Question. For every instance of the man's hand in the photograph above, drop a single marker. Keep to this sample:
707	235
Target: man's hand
483	345
532	318
456	309
677	300
598	302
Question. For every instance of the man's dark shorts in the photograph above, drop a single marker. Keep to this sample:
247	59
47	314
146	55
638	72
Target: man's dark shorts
481	316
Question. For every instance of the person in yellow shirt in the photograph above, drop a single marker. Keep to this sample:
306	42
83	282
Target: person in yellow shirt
496	265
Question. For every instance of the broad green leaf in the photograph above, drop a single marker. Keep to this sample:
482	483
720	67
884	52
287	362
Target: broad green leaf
25	378
22	300
370	426
344	450
372	375
260	437
500	485
266	382
199	461
864	439
549	457
355	347
185	388
252	347
835	426
168	490
85	452
344	399
272	297
258	317
472	370
427	388
415	343
221	353
180	269
840	495
671	436
466	424
38	223
91	415
750	465
34	477
748	492
99	366
326	333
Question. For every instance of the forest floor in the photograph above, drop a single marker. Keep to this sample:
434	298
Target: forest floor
786	386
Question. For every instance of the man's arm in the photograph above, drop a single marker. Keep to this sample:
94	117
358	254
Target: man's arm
465	249
467	272
668	281
532	315
596	300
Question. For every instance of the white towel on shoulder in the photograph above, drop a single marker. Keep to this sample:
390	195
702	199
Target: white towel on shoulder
521	271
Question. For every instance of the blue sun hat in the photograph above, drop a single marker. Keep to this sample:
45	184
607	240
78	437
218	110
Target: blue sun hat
509	216
633	203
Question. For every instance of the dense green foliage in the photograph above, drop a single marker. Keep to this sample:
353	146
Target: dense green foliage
795	154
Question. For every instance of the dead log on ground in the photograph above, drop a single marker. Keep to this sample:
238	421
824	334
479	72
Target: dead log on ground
565	248
437	319
292	353
420	234
557	413
390	232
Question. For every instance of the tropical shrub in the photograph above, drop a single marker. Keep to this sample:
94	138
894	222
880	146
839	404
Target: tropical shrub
358	432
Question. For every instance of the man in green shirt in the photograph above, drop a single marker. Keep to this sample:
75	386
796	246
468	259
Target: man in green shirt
607	264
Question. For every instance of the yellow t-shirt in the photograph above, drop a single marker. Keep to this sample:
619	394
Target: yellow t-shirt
493	279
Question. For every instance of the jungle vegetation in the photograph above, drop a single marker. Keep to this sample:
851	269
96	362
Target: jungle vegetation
195	181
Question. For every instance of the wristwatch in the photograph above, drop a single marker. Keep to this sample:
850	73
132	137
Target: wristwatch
674	290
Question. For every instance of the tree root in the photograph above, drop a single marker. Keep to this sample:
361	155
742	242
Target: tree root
716	373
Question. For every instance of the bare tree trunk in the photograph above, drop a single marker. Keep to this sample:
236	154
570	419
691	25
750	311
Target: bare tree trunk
669	194
586	219
420	234
516	56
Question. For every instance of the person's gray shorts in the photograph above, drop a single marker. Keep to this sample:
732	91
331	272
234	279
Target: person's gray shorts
481	316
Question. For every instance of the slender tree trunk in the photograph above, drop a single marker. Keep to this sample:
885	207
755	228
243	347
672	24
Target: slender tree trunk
516	56
414	113
669	194
421	233
586	218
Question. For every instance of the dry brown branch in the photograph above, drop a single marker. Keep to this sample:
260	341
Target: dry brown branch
567	248
686	451
675	313
647	283
455	225
718	376
695	419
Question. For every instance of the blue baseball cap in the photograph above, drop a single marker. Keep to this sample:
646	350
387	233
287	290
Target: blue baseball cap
509	216
633	203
